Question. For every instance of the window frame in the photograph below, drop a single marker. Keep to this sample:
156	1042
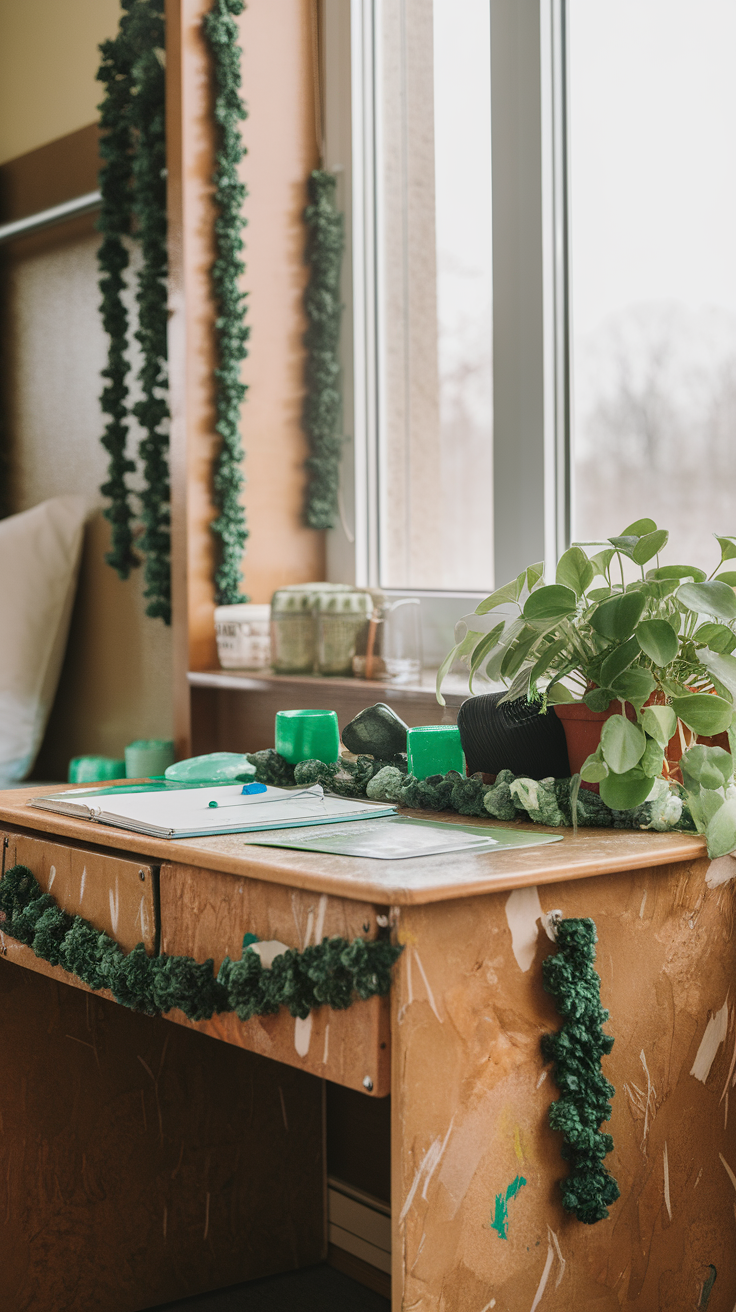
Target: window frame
531	313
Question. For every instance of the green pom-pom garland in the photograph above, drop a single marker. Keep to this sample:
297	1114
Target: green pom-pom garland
321	416
570	976
133	187
332	973
231	331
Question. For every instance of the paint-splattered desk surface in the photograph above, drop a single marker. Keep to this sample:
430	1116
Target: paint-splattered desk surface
415	880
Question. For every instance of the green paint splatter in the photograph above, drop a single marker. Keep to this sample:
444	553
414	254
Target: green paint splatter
500	1222
707	1289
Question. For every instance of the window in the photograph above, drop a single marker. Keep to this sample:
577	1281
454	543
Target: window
493	147
653	210
435	468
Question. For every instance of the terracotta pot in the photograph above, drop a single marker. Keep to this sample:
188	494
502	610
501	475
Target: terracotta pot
583	734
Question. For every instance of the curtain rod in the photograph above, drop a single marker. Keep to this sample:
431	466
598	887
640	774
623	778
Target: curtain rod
46	218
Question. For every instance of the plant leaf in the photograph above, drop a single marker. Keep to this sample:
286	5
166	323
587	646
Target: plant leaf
703	712
658	641
602	560
547	657
552	602
639	528
720	833
558	694
598	699
709	599
622	744
722	667
517	652
519	687
653	759
619	660
509	592
463	648
599	594
649	545
534	573
716	636
617	618
678	572
575	571
622	792
593	769
486	645
729	578
660	723
710	767
728	547
625	544
633	686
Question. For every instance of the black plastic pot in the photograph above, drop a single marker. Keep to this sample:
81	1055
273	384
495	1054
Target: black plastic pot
512	736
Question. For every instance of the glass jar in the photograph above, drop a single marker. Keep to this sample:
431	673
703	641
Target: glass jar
339	620
315	626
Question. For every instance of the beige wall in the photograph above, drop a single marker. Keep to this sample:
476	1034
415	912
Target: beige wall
48	62
116	681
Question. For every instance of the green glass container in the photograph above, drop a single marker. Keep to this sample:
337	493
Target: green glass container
434	749
148	758
311	735
93	769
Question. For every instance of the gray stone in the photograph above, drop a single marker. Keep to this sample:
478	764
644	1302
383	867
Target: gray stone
376	731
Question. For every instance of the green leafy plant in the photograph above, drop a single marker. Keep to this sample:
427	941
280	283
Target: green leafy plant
653	642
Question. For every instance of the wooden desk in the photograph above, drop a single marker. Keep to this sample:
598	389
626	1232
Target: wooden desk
457	1045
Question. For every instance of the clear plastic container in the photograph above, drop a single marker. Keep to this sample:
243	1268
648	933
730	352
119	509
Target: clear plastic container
389	647
243	636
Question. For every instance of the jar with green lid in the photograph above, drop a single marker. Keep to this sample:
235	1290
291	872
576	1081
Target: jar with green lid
293	636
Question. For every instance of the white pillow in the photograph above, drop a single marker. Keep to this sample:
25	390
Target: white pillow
39	563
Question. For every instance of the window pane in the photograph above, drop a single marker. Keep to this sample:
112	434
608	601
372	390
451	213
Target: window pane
653	122
435	475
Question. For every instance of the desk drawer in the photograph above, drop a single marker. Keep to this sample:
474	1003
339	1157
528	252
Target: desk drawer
116	895
205	914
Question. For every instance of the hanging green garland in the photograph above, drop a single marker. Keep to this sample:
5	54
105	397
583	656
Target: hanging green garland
152	411
231	330
331	973
571	978
321	416
116	145
133	186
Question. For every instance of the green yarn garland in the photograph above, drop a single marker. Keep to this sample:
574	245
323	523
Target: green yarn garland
570	976
321	415
231	331
115	221
331	973
133	186
152	411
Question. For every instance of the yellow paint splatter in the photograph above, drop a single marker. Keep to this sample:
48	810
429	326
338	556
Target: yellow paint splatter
517	1146
405	937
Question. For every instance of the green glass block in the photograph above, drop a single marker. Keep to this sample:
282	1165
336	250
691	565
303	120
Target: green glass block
434	749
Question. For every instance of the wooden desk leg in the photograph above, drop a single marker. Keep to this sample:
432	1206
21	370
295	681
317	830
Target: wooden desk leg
141	1162
471	1143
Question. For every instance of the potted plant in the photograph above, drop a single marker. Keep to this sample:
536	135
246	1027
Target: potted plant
638	654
